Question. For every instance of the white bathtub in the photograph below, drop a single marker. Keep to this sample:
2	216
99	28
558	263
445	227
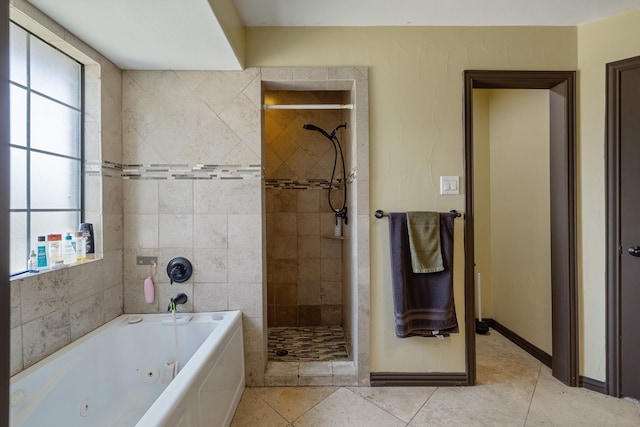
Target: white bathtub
113	376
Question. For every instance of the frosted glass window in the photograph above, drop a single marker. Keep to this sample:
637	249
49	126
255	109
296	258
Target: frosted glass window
54	182
54	74
18	187
46	143
54	127
19	244
18	63
18	113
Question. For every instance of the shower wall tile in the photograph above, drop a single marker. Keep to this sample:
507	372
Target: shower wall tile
86	315
286	247
210	266
15	355
210	231
245	231
140	196
111	232
112	268
309	293
309	224
134	301
246	297
43	294
175	231
308	246
15	303
210	297
86	281
175	196
37	345
245	265
113	300
141	231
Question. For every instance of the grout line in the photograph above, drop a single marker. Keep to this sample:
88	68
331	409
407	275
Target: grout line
423	405
292	422
535	387
374	404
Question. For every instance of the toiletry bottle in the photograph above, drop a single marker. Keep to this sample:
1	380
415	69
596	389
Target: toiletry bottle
81	247
41	250
68	250
87	230
32	262
55	250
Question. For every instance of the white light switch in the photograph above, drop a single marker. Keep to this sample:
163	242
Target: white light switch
449	185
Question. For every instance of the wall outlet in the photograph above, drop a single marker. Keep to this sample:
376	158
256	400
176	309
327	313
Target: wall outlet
146	260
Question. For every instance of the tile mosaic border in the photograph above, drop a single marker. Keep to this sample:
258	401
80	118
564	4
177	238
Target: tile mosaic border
173	171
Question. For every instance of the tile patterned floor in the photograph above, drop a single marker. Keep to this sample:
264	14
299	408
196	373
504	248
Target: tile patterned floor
307	344
514	389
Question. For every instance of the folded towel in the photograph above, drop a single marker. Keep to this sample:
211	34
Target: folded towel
424	241
423	303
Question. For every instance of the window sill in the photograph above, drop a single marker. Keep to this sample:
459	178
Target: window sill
49	270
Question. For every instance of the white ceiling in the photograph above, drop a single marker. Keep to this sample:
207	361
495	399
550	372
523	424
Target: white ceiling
185	34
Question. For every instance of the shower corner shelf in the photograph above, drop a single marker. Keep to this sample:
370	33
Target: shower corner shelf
331	236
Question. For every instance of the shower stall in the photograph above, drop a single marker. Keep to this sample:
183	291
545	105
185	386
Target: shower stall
307	145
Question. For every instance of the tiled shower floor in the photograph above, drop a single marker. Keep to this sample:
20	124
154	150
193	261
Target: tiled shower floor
307	344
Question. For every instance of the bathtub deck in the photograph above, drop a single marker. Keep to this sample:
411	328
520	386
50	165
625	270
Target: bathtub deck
307	344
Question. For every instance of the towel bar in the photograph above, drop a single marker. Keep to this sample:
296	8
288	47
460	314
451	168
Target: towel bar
379	214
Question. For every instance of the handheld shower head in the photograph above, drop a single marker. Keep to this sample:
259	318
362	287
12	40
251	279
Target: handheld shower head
316	128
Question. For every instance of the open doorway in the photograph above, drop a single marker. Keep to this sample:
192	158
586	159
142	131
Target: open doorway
561	88
512	222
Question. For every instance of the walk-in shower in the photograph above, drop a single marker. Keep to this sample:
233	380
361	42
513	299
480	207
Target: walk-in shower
306	226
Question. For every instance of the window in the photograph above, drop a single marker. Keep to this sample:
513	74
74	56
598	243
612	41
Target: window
45	145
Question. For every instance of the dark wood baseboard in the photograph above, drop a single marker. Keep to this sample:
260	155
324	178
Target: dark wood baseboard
417	379
536	352
593	385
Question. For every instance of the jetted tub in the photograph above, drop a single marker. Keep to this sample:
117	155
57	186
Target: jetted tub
114	375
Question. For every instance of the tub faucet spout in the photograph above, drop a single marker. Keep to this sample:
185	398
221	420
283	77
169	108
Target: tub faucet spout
179	299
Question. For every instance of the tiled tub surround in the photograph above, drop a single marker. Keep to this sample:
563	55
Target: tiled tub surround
193	188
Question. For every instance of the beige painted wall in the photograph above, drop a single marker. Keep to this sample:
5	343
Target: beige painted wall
482	200
598	44
520	219
416	135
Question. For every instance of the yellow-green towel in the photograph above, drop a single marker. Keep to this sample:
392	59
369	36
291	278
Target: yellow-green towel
424	241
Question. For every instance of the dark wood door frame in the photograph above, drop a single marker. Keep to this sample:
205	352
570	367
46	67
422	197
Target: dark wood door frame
612	163
564	298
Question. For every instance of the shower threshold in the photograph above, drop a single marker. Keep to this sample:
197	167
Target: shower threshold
307	344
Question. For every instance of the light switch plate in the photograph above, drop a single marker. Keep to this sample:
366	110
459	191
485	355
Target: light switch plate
449	185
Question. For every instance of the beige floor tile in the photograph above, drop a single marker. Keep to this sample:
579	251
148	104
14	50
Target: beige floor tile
554	404
253	411
345	408
292	402
402	402
483	405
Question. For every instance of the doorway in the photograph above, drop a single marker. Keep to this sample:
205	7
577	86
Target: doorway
623	232
561	86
